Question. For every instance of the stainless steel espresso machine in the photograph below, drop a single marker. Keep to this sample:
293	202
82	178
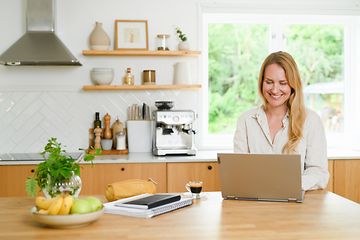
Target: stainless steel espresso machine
174	133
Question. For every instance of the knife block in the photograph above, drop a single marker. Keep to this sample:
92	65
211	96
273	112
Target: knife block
140	135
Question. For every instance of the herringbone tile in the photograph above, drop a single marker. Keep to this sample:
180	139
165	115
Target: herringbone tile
29	118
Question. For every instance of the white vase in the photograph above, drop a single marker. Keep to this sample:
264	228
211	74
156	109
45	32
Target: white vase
99	40
183	46
181	73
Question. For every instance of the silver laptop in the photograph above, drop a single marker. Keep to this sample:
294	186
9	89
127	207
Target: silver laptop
264	177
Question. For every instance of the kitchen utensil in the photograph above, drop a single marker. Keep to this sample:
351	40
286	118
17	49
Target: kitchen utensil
139	135
145	112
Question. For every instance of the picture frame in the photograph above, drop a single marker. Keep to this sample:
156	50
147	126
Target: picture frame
131	35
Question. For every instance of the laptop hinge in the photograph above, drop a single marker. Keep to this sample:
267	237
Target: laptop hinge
240	198
292	199
230	197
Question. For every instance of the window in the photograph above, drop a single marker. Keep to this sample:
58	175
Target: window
237	45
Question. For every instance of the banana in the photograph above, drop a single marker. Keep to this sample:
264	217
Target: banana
56	205
43	203
66	205
43	211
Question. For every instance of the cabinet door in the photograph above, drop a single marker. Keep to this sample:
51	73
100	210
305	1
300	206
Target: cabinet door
96	177
330	186
12	179
180	173
347	179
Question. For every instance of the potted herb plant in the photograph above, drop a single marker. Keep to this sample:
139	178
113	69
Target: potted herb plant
183	44
58	173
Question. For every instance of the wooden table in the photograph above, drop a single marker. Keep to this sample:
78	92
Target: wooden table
323	215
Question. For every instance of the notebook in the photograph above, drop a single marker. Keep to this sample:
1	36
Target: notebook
264	177
151	201
116	208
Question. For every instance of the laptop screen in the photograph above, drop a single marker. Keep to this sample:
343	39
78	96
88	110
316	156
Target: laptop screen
272	177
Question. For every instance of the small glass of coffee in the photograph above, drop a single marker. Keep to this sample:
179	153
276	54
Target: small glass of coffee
195	188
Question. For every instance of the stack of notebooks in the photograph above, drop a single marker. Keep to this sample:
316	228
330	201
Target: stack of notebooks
147	205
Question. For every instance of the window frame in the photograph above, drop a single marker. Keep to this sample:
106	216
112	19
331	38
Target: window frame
350	73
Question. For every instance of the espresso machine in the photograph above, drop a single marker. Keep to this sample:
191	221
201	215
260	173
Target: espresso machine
174	133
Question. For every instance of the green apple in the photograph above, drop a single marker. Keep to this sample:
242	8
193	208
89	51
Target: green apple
95	203
81	206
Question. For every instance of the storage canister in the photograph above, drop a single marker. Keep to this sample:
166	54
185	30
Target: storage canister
149	77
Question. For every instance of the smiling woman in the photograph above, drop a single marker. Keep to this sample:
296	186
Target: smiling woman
281	124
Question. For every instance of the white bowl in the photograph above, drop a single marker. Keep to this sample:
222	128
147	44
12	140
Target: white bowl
66	221
102	76
106	144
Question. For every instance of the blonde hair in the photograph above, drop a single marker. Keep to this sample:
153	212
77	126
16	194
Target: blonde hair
295	104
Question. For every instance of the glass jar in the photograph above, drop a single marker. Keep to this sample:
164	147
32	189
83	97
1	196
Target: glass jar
128	78
162	43
71	186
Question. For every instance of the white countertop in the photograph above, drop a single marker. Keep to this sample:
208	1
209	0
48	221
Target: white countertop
201	156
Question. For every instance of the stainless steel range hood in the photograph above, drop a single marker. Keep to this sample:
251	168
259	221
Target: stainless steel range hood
39	45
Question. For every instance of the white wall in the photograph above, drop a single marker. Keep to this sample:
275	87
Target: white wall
37	103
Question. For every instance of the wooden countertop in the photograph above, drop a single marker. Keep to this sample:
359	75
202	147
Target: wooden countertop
323	215
201	156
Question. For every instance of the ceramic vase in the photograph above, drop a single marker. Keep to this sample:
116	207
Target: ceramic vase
99	40
184	46
181	73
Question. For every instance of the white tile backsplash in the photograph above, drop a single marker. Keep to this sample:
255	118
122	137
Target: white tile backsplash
29	118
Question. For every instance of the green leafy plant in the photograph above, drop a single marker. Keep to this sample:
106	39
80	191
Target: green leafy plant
180	34
57	168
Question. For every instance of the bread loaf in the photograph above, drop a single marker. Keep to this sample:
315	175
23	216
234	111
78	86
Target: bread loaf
129	188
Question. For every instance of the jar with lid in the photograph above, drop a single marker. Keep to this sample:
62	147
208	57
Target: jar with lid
128	78
149	77
162	42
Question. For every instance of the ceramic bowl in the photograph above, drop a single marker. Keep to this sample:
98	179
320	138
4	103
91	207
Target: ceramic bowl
102	76
106	144
66	221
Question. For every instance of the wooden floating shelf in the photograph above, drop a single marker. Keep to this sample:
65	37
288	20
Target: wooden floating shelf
140	87
140	53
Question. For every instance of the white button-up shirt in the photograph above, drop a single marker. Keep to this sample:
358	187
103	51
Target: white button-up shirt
253	136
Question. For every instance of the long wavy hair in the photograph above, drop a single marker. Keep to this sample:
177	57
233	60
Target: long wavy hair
295	104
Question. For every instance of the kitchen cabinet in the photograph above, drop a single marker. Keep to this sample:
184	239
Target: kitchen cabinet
178	174
96	177
171	177
12	179
347	179
330	186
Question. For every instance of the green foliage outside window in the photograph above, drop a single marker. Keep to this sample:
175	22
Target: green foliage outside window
236	52
235	56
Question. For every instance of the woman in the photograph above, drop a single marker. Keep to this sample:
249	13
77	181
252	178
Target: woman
282	124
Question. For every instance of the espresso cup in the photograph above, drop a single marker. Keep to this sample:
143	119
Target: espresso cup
194	187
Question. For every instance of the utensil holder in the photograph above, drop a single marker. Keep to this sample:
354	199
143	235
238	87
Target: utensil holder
140	134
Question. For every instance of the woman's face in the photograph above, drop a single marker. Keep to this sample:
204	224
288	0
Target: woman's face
276	89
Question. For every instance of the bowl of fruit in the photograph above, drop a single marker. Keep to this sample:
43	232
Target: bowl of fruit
65	211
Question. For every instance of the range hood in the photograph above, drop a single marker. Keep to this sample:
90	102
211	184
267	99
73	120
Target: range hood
39	45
